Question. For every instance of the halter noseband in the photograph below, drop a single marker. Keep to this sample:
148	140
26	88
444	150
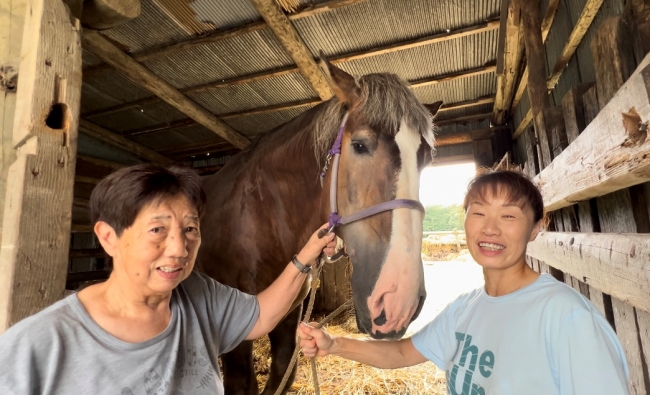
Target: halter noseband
334	218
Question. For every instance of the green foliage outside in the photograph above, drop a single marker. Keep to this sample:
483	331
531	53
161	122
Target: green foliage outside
441	218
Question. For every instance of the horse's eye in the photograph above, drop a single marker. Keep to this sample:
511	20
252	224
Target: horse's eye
359	148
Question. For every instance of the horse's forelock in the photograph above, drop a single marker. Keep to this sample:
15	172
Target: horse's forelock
384	101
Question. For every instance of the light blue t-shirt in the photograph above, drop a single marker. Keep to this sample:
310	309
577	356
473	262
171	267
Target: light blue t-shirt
543	339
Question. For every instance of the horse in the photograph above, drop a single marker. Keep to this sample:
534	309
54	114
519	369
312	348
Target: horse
263	205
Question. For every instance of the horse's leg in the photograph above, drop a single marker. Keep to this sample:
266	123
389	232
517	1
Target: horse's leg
238	370
283	342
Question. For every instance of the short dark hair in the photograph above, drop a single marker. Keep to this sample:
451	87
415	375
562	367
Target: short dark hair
517	188
118	198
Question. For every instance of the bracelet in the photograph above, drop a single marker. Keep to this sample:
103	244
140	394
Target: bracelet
301	266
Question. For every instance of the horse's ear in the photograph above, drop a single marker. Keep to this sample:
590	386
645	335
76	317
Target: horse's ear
344	85
433	107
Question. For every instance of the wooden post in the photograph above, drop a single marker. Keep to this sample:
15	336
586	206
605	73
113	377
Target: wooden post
37	210
482	150
574	112
613	56
641	17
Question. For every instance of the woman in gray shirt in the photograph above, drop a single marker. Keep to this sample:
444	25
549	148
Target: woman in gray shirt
155	326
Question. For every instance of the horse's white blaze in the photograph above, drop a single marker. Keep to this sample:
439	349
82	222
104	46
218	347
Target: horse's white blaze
406	235
400	277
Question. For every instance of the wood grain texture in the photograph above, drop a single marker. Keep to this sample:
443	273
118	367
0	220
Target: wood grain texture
35	240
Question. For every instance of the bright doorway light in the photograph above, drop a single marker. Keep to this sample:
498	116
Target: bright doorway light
445	185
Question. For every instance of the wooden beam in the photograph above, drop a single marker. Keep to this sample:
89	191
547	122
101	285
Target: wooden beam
531	25
584	21
615	264
292	69
546	27
465	104
92	275
38	202
81	202
523	124
212	144
293	44
466	118
104	14
452	160
81	228
609	154
123	143
101	162
467	137
428	40
219	35
112	55
87	180
510	58
310	102
87	253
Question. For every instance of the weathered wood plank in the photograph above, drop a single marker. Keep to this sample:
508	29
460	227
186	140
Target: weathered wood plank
613	57
590	103
140	75
605	157
585	19
123	143
104	14
626	330
293	44
616	264
574	112
482	151
549	125
35	241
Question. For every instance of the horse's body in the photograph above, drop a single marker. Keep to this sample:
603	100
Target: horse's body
265	203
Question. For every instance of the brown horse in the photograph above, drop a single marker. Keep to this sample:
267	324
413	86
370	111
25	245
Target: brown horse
264	204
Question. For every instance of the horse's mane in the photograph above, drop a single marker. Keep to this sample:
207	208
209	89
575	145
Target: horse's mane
384	101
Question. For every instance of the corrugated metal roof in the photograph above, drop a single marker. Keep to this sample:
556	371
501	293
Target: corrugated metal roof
241	55
268	92
430	60
461	127
252	125
224	14
459	90
174	138
379	22
366	25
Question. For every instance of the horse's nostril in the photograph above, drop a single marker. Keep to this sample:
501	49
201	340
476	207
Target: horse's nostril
381	320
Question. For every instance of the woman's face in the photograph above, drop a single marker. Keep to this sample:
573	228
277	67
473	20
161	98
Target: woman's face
158	251
498	232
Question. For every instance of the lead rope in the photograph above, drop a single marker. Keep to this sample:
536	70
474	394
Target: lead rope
315	283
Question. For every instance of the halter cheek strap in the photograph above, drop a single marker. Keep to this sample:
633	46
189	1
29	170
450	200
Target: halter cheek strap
334	218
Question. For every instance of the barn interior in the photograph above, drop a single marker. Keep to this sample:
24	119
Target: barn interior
557	88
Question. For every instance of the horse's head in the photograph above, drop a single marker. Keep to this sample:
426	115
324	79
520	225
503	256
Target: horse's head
387	141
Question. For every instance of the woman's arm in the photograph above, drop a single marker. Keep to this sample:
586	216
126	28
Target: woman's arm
384	354
276	300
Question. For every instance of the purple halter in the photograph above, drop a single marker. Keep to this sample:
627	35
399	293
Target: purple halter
334	218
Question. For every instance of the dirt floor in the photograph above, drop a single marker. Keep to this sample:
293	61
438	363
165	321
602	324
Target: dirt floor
444	280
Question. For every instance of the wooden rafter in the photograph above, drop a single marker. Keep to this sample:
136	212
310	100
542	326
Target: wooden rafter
546	27
123	143
219	35
336	60
310	102
466	118
508	69
112	55
582	25
293	44
467	137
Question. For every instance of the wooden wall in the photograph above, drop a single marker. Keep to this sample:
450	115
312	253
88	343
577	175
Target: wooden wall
592	162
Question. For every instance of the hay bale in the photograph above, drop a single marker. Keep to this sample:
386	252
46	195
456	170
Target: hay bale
340	376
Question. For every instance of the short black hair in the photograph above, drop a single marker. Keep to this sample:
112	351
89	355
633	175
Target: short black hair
118	198
516	186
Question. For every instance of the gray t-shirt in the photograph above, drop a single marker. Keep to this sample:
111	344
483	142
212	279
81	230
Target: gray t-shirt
61	350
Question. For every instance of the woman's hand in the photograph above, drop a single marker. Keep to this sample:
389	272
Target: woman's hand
314	342
316	245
